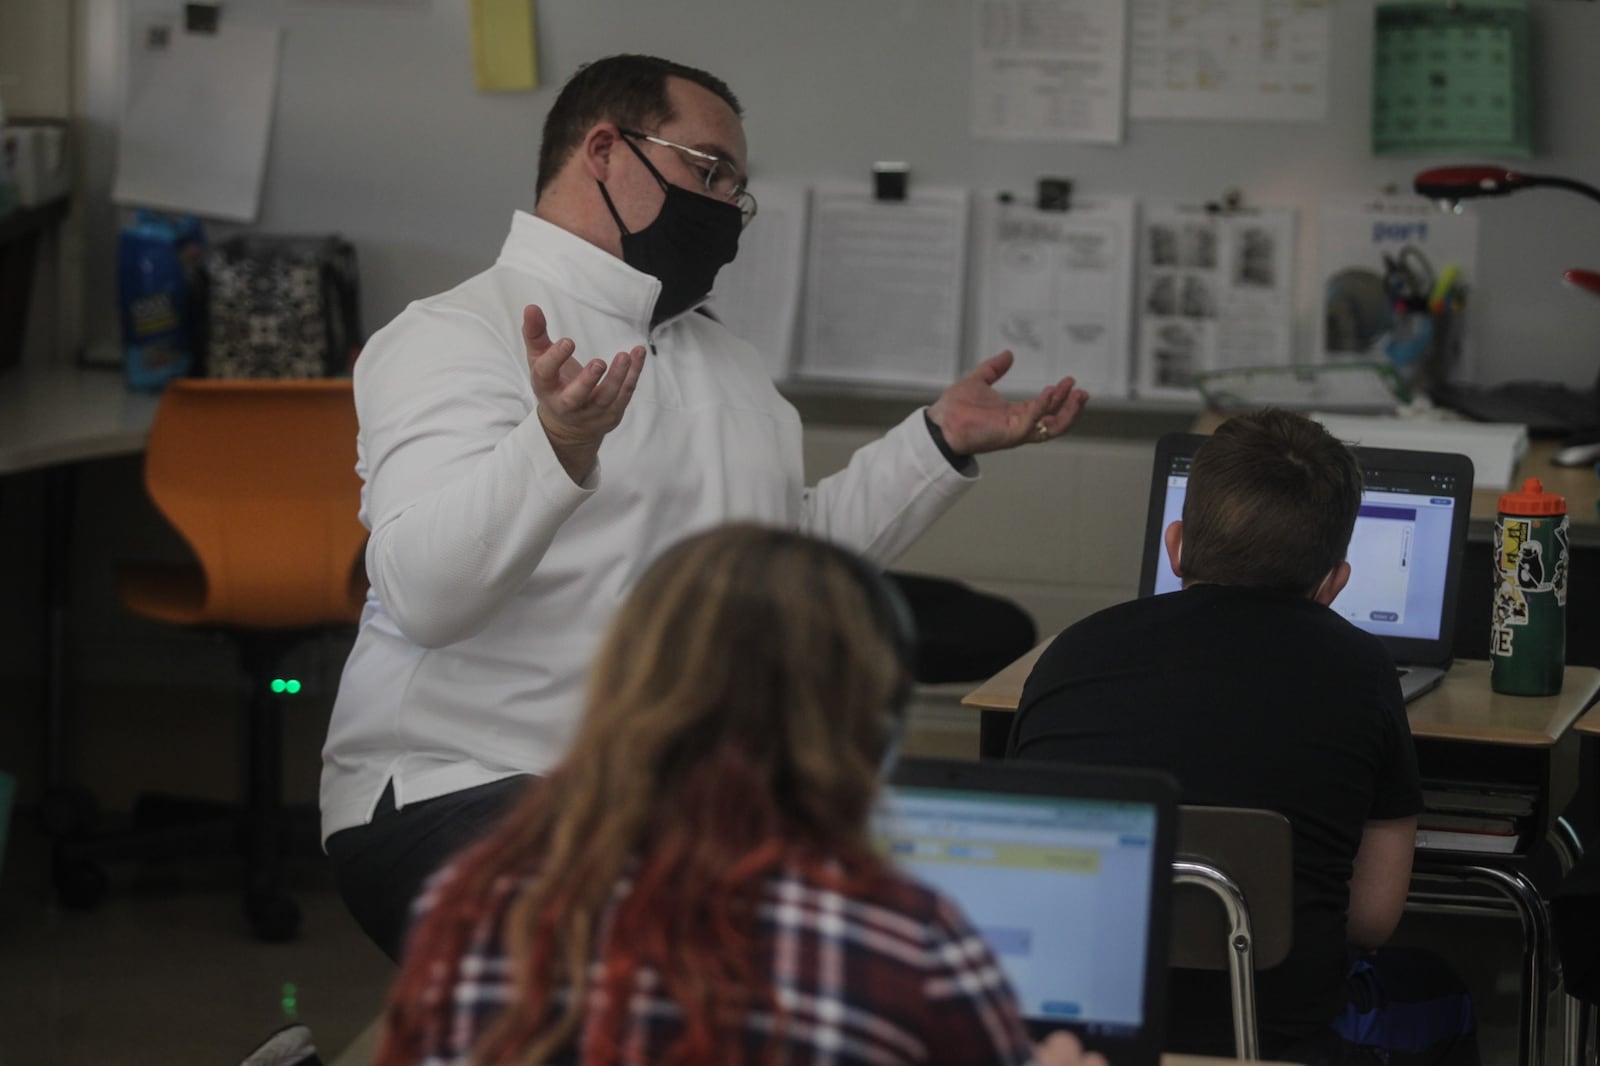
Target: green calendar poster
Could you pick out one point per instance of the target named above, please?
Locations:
(1451, 78)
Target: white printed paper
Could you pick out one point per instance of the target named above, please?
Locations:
(199, 109)
(1229, 59)
(884, 283)
(757, 296)
(1215, 292)
(1375, 258)
(1049, 70)
(1058, 292)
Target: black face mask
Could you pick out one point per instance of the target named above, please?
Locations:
(691, 239)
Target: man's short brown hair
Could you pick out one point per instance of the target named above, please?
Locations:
(630, 90)
(1271, 502)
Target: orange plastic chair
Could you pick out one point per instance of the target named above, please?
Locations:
(258, 477)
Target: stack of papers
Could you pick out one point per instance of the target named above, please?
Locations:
(1495, 448)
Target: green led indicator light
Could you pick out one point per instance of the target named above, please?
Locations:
(293, 686)
(279, 685)
(291, 1002)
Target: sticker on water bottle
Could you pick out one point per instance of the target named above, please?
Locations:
(1509, 536)
(1563, 549)
(1510, 607)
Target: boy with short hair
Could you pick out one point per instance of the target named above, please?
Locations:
(1253, 693)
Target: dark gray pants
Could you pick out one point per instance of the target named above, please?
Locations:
(381, 866)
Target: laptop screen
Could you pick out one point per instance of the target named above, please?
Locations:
(1404, 553)
(1061, 887)
(1398, 551)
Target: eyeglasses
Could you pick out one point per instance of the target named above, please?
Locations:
(718, 176)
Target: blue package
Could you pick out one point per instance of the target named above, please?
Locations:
(158, 259)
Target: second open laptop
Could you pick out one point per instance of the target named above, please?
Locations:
(1405, 553)
(1066, 872)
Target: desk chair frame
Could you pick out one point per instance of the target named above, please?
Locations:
(1241, 954)
(259, 479)
(1582, 1041)
(1229, 853)
(1512, 893)
(1460, 890)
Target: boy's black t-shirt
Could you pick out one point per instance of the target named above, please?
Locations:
(1251, 699)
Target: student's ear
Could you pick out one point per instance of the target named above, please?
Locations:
(1173, 538)
(1332, 585)
(596, 149)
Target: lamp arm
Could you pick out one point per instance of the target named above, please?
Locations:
(1550, 181)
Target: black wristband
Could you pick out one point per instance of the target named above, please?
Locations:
(957, 460)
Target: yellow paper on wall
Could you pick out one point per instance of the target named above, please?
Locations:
(505, 45)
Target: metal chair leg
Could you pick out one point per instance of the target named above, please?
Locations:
(1241, 960)
(1571, 1031)
(1538, 955)
(1568, 848)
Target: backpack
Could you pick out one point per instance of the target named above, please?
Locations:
(281, 307)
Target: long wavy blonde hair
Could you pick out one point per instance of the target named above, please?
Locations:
(735, 719)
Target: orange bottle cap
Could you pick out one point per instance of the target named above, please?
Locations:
(1532, 500)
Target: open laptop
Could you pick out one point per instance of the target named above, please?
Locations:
(1405, 552)
(1065, 871)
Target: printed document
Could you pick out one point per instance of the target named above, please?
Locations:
(884, 286)
(199, 109)
(1058, 292)
(758, 295)
(1229, 59)
(1215, 292)
(1049, 70)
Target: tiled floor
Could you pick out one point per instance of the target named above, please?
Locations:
(165, 973)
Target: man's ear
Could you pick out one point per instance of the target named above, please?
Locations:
(596, 149)
(1173, 538)
(1332, 585)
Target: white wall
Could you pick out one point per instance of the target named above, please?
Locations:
(380, 134)
(36, 82)
(35, 46)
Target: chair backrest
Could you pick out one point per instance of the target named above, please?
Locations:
(259, 478)
(1233, 902)
(1255, 849)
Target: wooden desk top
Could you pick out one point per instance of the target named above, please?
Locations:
(53, 415)
(1589, 724)
(1579, 484)
(1462, 708)
(1465, 708)
(1003, 691)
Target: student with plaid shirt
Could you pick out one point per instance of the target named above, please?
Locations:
(694, 883)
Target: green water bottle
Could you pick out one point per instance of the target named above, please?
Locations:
(1528, 634)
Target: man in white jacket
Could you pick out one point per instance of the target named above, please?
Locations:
(516, 484)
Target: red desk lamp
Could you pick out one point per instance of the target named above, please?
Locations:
(1542, 405)
(1454, 184)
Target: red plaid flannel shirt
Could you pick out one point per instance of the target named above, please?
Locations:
(894, 976)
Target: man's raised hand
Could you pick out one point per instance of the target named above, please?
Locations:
(578, 404)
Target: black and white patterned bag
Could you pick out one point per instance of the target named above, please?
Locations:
(281, 307)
